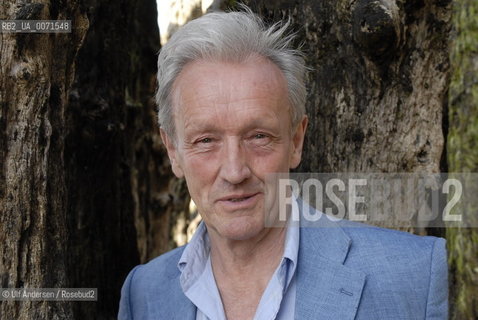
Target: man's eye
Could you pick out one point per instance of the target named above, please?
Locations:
(205, 140)
(259, 136)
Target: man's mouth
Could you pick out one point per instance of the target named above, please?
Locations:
(239, 199)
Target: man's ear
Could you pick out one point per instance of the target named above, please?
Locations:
(298, 142)
(172, 154)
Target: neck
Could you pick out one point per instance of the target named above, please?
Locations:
(243, 258)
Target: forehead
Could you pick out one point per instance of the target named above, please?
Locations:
(204, 86)
(253, 69)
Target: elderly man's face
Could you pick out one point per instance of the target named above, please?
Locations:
(233, 127)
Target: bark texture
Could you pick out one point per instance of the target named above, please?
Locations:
(85, 187)
(36, 73)
(109, 147)
(463, 155)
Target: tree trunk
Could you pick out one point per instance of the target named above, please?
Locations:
(111, 151)
(463, 156)
(86, 191)
(36, 73)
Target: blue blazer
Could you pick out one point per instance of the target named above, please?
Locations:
(345, 271)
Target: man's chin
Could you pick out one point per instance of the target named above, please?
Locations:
(241, 229)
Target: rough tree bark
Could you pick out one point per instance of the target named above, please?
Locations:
(111, 152)
(463, 155)
(36, 73)
(85, 187)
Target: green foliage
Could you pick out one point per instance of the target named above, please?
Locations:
(463, 154)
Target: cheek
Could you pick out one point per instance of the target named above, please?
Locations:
(196, 163)
(277, 161)
(199, 175)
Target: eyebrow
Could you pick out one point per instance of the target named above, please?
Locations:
(210, 126)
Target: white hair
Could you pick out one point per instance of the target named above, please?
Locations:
(229, 37)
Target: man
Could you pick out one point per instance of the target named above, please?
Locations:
(231, 102)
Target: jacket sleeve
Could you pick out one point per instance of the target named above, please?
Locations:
(437, 301)
(125, 309)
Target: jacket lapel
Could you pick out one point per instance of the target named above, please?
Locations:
(172, 303)
(182, 308)
(326, 289)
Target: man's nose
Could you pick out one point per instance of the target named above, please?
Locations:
(234, 168)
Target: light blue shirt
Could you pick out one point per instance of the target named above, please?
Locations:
(198, 283)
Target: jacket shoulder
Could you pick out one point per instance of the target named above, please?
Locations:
(159, 269)
(391, 243)
(155, 280)
(408, 269)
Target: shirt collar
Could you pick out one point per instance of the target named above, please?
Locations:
(291, 245)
